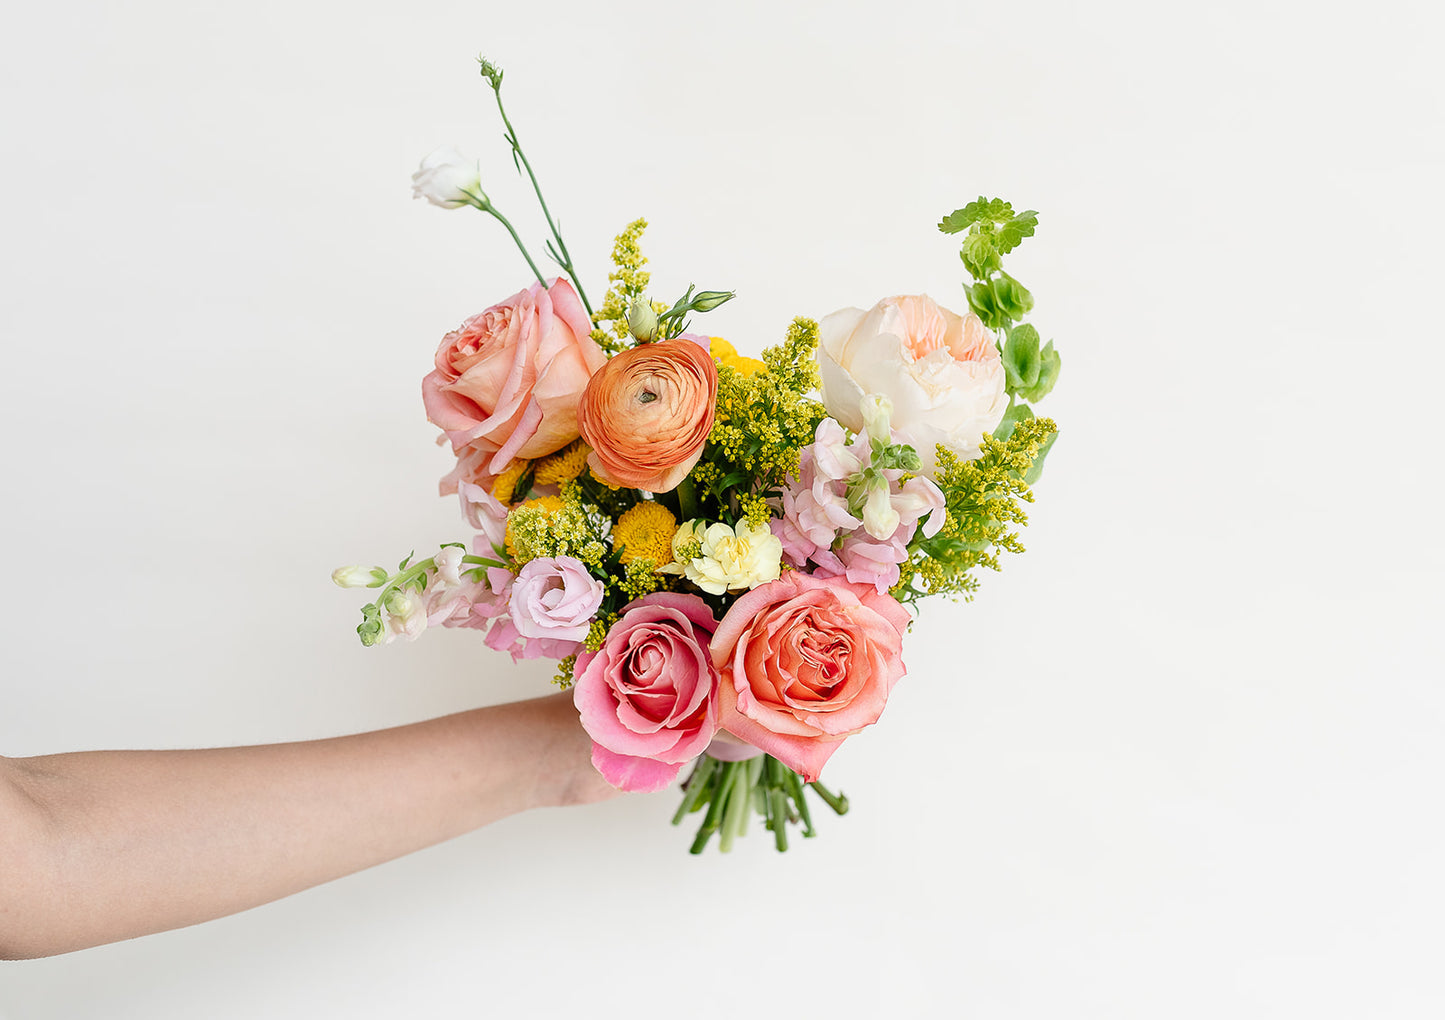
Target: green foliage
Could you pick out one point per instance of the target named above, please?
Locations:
(983, 503)
(999, 301)
(1031, 371)
(994, 230)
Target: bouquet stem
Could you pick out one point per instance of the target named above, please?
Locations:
(732, 790)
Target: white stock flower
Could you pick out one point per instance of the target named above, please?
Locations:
(940, 372)
(448, 179)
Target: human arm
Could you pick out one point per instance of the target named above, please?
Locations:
(99, 846)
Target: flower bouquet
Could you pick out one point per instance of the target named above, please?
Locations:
(721, 562)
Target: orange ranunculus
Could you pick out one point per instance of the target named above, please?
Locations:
(647, 412)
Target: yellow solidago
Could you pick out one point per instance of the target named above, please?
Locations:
(645, 532)
(764, 419)
(627, 281)
(564, 465)
(557, 526)
(504, 486)
(528, 526)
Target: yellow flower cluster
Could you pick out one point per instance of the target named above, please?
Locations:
(725, 353)
(504, 486)
(564, 465)
(556, 526)
(627, 281)
(764, 419)
(645, 532)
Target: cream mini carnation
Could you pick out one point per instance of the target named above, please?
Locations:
(750, 642)
(728, 558)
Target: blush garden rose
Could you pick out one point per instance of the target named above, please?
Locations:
(941, 372)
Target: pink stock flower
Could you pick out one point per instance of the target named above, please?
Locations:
(648, 696)
(817, 526)
(549, 611)
(507, 382)
(806, 662)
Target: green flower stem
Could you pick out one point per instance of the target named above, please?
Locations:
(836, 801)
(520, 246)
(721, 785)
(687, 499)
(795, 790)
(739, 797)
(566, 257)
(697, 785)
(780, 817)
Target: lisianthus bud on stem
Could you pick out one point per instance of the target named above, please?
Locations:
(448, 179)
(641, 319)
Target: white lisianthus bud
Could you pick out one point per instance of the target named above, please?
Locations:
(450, 180)
(641, 319)
(359, 577)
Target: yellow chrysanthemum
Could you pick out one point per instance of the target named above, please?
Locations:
(721, 349)
(564, 465)
(504, 487)
(645, 532)
(548, 505)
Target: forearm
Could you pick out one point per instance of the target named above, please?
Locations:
(114, 844)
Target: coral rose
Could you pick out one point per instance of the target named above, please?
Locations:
(941, 372)
(506, 382)
(648, 696)
(806, 662)
(647, 413)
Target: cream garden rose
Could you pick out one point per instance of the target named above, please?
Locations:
(940, 371)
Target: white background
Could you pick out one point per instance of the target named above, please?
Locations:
(1182, 759)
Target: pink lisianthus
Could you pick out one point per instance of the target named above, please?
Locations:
(507, 382)
(648, 696)
(805, 662)
(549, 611)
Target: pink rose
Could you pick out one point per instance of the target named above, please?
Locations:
(806, 662)
(507, 382)
(550, 612)
(648, 696)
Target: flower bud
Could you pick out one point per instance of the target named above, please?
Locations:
(448, 179)
(877, 412)
(359, 577)
(710, 299)
(641, 319)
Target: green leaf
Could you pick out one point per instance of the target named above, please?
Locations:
(983, 210)
(1015, 414)
(1037, 470)
(1012, 231)
(1048, 375)
(1012, 297)
(1021, 359)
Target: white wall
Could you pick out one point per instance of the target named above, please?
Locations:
(1181, 760)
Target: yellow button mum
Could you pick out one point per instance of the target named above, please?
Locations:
(645, 532)
(564, 465)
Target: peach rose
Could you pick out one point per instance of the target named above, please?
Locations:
(647, 413)
(506, 383)
(805, 662)
(941, 372)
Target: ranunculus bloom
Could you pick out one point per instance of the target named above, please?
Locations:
(806, 662)
(941, 371)
(647, 413)
(506, 382)
(552, 602)
(648, 696)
